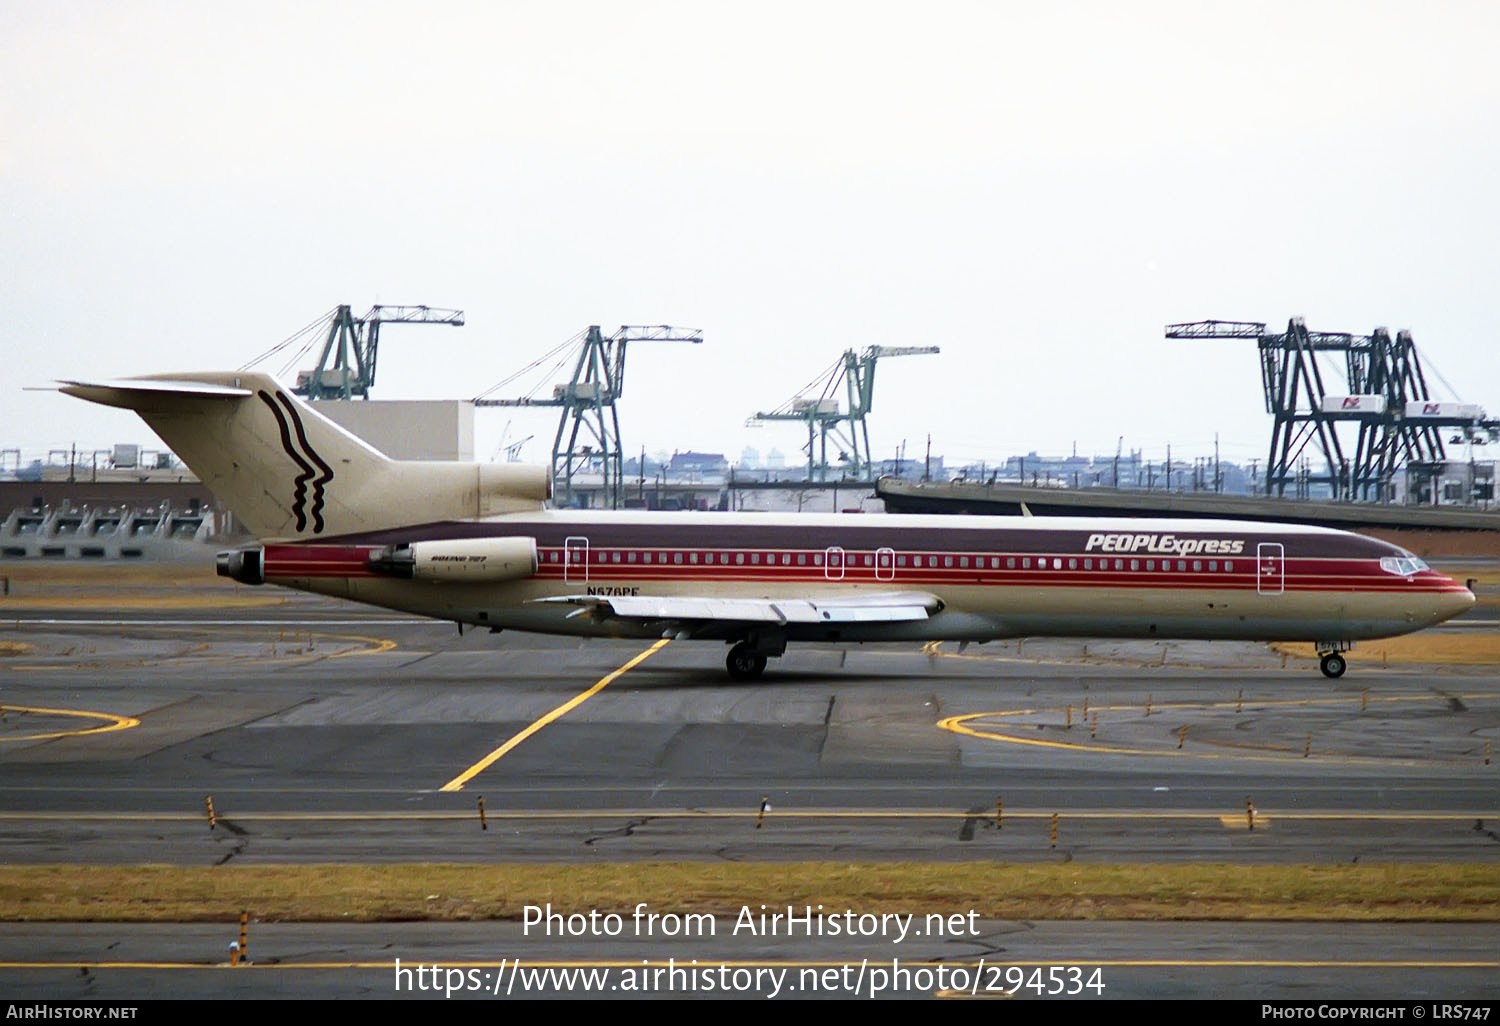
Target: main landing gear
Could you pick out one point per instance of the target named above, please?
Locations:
(744, 662)
(1333, 665)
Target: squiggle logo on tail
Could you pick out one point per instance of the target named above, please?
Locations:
(299, 484)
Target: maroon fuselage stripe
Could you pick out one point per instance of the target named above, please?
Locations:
(899, 569)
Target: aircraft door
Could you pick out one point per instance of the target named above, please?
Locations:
(833, 563)
(885, 564)
(576, 559)
(1270, 569)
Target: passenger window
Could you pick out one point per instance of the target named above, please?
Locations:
(1072, 564)
(677, 557)
(630, 557)
(900, 560)
(755, 558)
(932, 561)
(1213, 566)
(1197, 566)
(1010, 562)
(786, 559)
(817, 559)
(1151, 564)
(1228, 567)
(1135, 564)
(1088, 564)
(1119, 564)
(692, 557)
(947, 561)
(869, 561)
(801, 559)
(963, 562)
(1057, 564)
(739, 557)
(1026, 563)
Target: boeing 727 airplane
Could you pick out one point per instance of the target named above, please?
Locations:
(476, 544)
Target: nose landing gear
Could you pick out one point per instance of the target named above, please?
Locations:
(1333, 665)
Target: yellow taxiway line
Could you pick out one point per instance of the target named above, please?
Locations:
(458, 782)
(375, 646)
(1262, 816)
(112, 722)
(962, 724)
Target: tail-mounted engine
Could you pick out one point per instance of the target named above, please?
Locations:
(479, 559)
(244, 565)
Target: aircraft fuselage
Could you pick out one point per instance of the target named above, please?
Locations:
(993, 577)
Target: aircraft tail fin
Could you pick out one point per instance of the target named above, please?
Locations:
(289, 473)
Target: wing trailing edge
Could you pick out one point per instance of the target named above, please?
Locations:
(888, 607)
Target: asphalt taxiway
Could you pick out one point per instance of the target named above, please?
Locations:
(326, 733)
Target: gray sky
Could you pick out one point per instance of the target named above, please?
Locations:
(1037, 188)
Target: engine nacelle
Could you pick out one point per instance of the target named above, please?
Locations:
(244, 565)
(462, 559)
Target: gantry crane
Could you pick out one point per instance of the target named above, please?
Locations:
(1384, 393)
(823, 417)
(588, 405)
(351, 344)
(346, 367)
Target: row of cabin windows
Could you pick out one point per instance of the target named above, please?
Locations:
(577, 556)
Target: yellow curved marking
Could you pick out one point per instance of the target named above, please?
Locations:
(457, 783)
(379, 645)
(114, 722)
(960, 725)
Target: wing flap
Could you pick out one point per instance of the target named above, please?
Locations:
(874, 608)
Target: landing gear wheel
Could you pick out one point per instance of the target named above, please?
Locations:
(1333, 665)
(744, 662)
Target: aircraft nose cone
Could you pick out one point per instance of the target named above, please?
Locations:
(1452, 603)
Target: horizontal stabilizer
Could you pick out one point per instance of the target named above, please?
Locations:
(129, 392)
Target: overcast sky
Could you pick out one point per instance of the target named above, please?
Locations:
(1037, 188)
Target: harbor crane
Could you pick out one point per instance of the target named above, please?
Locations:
(816, 404)
(346, 366)
(588, 405)
(1384, 393)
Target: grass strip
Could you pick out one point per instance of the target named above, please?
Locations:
(1446, 648)
(448, 893)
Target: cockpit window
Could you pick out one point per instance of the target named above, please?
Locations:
(1403, 566)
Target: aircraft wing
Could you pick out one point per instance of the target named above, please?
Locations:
(887, 607)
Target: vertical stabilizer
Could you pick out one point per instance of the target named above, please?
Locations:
(289, 473)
